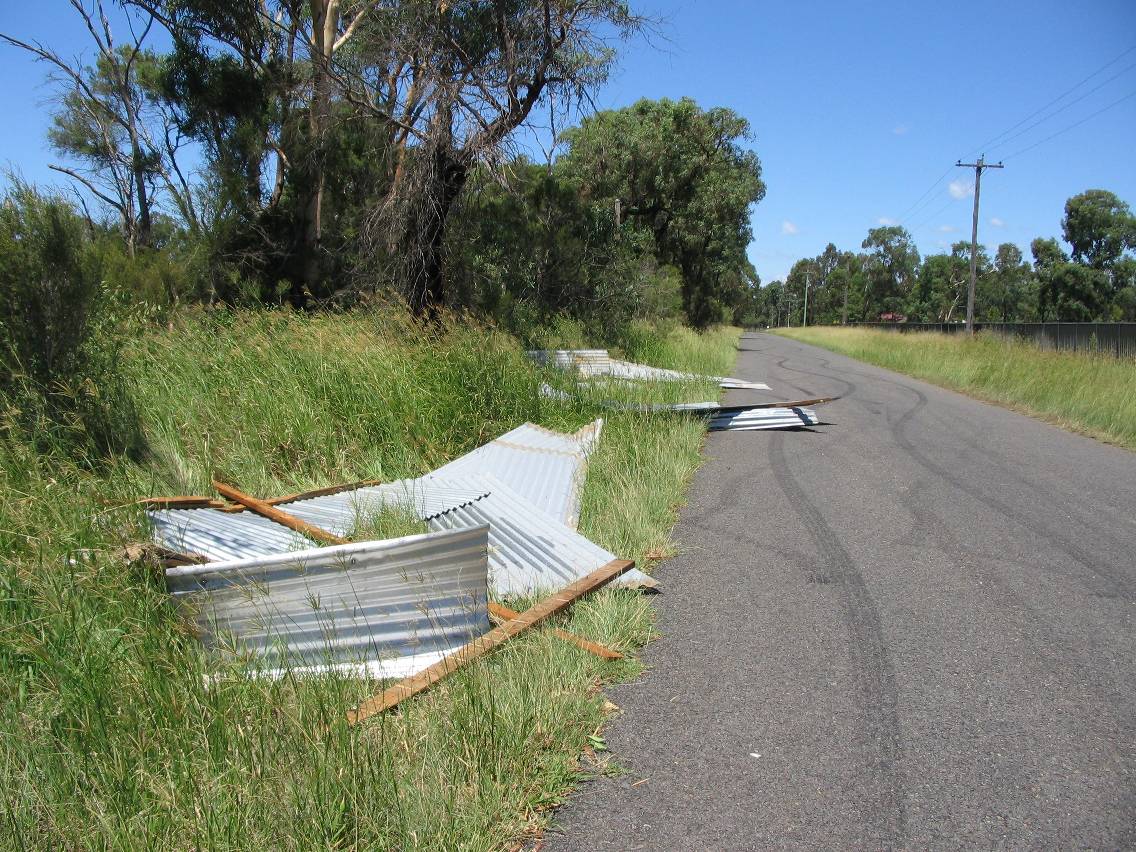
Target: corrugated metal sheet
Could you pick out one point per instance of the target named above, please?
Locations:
(545, 468)
(222, 535)
(756, 419)
(529, 552)
(341, 513)
(524, 485)
(597, 362)
(390, 607)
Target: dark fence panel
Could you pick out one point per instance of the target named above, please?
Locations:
(1110, 338)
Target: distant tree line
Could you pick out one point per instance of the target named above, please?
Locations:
(319, 152)
(888, 280)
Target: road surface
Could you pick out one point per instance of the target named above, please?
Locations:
(909, 628)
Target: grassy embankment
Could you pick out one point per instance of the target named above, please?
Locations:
(110, 737)
(1093, 394)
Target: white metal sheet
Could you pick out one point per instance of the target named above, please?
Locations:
(376, 606)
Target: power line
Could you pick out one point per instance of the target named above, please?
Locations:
(924, 200)
(934, 215)
(1071, 103)
(1073, 88)
(927, 192)
(1075, 124)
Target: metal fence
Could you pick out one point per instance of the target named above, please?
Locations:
(1109, 338)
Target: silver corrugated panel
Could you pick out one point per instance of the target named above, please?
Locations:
(529, 553)
(597, 362)
(341, 513)
(628, 370)
(545, 468)
(755, 419)
(567, 358)
(224, 535)
(390, 606)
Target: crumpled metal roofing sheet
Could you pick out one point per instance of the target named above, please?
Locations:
(340, 513)
(529, 552)
(545, 468)
(756, 419)
(383, 608)
(597, 362)
(220, 535)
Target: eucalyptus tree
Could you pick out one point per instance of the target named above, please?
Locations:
(892, 269)
(113, 126)
(683, 175)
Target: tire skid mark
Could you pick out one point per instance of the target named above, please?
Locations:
(1119, 581)
(879, 697)
(1007, 466)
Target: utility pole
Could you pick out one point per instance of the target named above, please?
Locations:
(978, 168)
(805, 320)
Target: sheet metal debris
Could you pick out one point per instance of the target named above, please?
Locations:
(525, 485)
(543, 467)
(597, 362)
(756, 419)
(379, 608)
(529, 552)
(722, 418)
(219, 535)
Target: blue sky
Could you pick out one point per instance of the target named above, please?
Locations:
(856, 108)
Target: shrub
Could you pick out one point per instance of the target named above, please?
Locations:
(60, 381)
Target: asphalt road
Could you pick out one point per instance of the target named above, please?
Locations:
(909, 628)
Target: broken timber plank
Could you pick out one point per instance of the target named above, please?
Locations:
(490, 641)
(503, 613)
(262, 507)
(273, 514)
(191, 501)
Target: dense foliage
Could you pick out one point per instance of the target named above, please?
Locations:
(888, 280)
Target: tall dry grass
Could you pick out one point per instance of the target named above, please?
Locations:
(109, 735)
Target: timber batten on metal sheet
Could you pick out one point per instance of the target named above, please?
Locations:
(489, 642)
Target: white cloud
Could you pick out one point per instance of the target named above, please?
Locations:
(884, 220)
(997, 223)
(960, 189)
(947, 229)
(900, 129)
(788, 227)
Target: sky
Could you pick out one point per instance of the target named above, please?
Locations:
(859, 111)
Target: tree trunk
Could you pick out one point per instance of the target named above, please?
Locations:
(449, 176)
(325, 25)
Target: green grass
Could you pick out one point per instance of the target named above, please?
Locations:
(1092, 394)
(109, 735)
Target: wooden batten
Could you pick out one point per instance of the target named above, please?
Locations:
(490, 641)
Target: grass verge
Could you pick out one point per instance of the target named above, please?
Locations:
(109, 736)
(1092, 394)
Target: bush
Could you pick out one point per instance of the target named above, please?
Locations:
(60, 381)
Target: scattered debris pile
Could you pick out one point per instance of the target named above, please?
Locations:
(722, 418)
(597, 362)
(502, 520)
